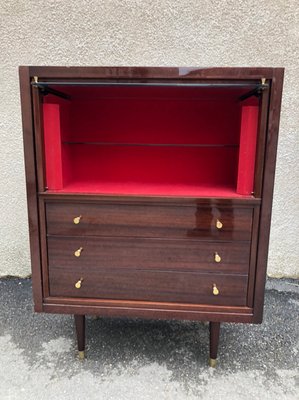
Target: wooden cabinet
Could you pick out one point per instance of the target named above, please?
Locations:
(150, 191)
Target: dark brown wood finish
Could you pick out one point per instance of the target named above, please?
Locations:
(39, 137)
(260, 147)
(43, 248)
(148, 220)
(267, 193)
(185, 287)
(147, 313)
(149, 305)
(145, 309)
(221, 202)
(171, 236)
(151, 254)
(31, 183)
(150, 73)
(80, 330)
(253, 253)
(214, 341)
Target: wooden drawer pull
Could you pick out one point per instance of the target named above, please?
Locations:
(77, 220)
(219, 224)
(77, 253)
(215, 290)
(79, 283)
(217, 257)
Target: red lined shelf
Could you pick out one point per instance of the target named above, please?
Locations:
(152, 189)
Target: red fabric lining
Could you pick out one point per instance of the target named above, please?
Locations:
(172, 165)
(190, 171)
(155, 121)
(249, 124)
(52, 139)
(151, 189)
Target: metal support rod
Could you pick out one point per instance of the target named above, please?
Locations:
(47, 90)
(162, 84)
(255, 92)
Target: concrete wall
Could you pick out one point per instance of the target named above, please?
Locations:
(140, 32)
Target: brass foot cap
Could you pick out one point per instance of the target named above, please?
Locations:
(212, 362)
(81, 355)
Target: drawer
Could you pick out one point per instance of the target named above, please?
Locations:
(152, 254)
(158, 286)
(171, 221)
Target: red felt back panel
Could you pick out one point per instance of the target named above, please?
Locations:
(249, 125)
(154, 120)
(171, 165)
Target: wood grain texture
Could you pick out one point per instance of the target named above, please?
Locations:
(80, 331)
(182, 201)
(153, 305)
(261, 138)
(253, 254)
(267, 192)
(185, 287)
(43, 248)
(147, 220)
(39, 137)
(128, 73)
(151, 254)
(161, 313)
(183, 220)
(148, 309)
(214, 339)
(31, 186)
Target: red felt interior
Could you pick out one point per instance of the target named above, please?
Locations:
(249, 124)
(155, 121)
(133, 141)
(53, 146)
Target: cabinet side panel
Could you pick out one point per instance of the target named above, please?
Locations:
(37, 106)
(31, 184)
(267, 191)
(261, 140)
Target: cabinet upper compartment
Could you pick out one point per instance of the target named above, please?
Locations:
(151, 138)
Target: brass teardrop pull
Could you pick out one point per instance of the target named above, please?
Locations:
(219, 224)
(217, 257)
(79, 283)
(77, 220)
(215, 290)
(77, 253)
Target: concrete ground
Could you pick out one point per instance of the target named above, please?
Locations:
(139, 359)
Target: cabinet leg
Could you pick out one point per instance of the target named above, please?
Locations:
(214, 341)
(80, 331)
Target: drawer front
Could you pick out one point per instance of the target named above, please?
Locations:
(152, 254)
(176, 287)
(149, 221)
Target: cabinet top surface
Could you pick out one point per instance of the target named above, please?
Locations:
(138, 72)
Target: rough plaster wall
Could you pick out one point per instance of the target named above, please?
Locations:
(155, 32)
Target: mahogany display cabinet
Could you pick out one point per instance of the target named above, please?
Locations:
(150, 191)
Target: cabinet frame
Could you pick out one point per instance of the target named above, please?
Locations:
(264, 181)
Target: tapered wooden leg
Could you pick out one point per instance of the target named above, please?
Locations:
(80, 331)
(214, 341)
